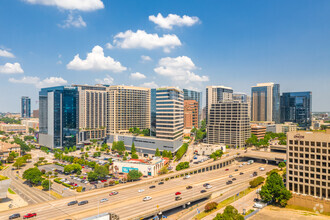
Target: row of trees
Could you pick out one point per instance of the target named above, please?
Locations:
(73, 168)
(254, 141)
(201, 132)
(182, 166)
(137, 131)
(182, 150)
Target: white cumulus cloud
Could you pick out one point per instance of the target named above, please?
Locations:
(179, 69)
(150, 85)
(145, 58)
(137, 75)
(96, 61)
(173, 20)
(5, 53)
(81, 5)
(73, 21)
(109, 46)
(108, 80)
(37, 82)
(11, 68)
(141, 39)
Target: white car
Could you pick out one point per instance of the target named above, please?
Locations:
(208, 187)
(104, 200)
(257, 205)
(240, 165)
(141, 190)
(261, 168)
(147, 198)
(186, 177)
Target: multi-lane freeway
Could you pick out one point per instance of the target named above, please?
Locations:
(128, 203)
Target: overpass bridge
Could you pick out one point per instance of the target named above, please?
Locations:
(264, 156)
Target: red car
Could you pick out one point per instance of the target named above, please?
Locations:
(226, 169)
(29, 215)
(113, 193)
(177, 193)
(82, 167)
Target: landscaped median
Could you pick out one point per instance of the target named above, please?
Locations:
(58, 180)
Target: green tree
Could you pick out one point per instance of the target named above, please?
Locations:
(46, 184)
(281, 165)
(163, 170)
(217, 154)
(33, 175)
(135, 156)
(133, 149)
(146, 132)
(124, 158)
(182, 150)
(74, 148)
(182, 166)
(275, 191)
(27, 157)
(230, 213)
(66, 150)
(101, 171)
(134, 175)
(92, 176)
(19, 162)
(121, 146)
(82, 149)
(157, 154)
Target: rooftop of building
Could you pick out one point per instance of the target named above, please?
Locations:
(153, 161)
(4, 147)
(222, 87)
(316, 133)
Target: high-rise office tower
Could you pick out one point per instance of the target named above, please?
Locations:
(297, 107)
(242, 97)
(169, 113)
(229, 124)
(217, 94)
(92, 112)
(25, 107)
(58, 116)
(190, 114)
(128, 107)
(265, 100)
(153, 112)
(197, 96)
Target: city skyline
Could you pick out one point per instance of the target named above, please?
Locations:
(242, 49)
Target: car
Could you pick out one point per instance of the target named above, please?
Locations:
(203, 191)
(177, 198)
(151, 187)
(244, 163)
(205, 184)
(13, 216)
(241, 173)
(240, 166)
(236, 169)
(147, 198)
(141, 190)
(229, 182)
(189, 187)
(29, 215)
(230, 176)
(233, 179)
(261, 168)
(257, 205)
(186, 177)
(72, 203)
(255, 174)
(113, 193)
(160, 183)
(208, 187)
(83, 202)
(104, 200)
(177, 193)
(226, 169)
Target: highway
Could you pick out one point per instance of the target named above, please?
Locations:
(129, 198)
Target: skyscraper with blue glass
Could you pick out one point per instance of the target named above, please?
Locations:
(25, 107)
(297, 107)
(197, 96)
(58, 116)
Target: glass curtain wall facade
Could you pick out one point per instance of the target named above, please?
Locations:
(197, 96)
(297, 107)
(25, 107)
(169, 113)
(153, 112)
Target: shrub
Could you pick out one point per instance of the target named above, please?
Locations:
(79, 189)
(182, 166)
(257, 181)
(182, 150)
(210, 206)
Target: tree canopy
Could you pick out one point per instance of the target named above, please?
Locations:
(217, 154)
(134, 175)
(230, 213)
(33, 175)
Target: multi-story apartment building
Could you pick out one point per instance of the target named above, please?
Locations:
(265, 100)
(297, 107)
(25, 107)
(197, 96)
(217, 94)
(7, 148)
(153, 112)
(191, 113)
(58, 116)
(92, 112)
(128, 107)
(308, 164)
(169, 113)
(229, 124)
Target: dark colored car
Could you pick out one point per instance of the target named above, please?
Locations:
(255, 174)
(226, 169)
(229, 182)
(203, 191)
(205, 184)
(189, 187)
(233, 179)
(83, 202)
(241, 173)
(13, 216)
(151, 187)
(177, 198)
(72, 203)
(160, 183)
(236, 169)
(29, 215)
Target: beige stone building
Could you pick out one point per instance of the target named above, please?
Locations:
(282, 128)
(127, 107)
(308, 164)
(16, 128)
(7, 148)
(258, 130)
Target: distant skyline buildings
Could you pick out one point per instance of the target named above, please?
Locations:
(297, 107)
(25, 107)
(265, 102)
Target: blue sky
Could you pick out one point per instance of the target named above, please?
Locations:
(231, 43)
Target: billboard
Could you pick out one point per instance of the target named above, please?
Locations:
(127, 169)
